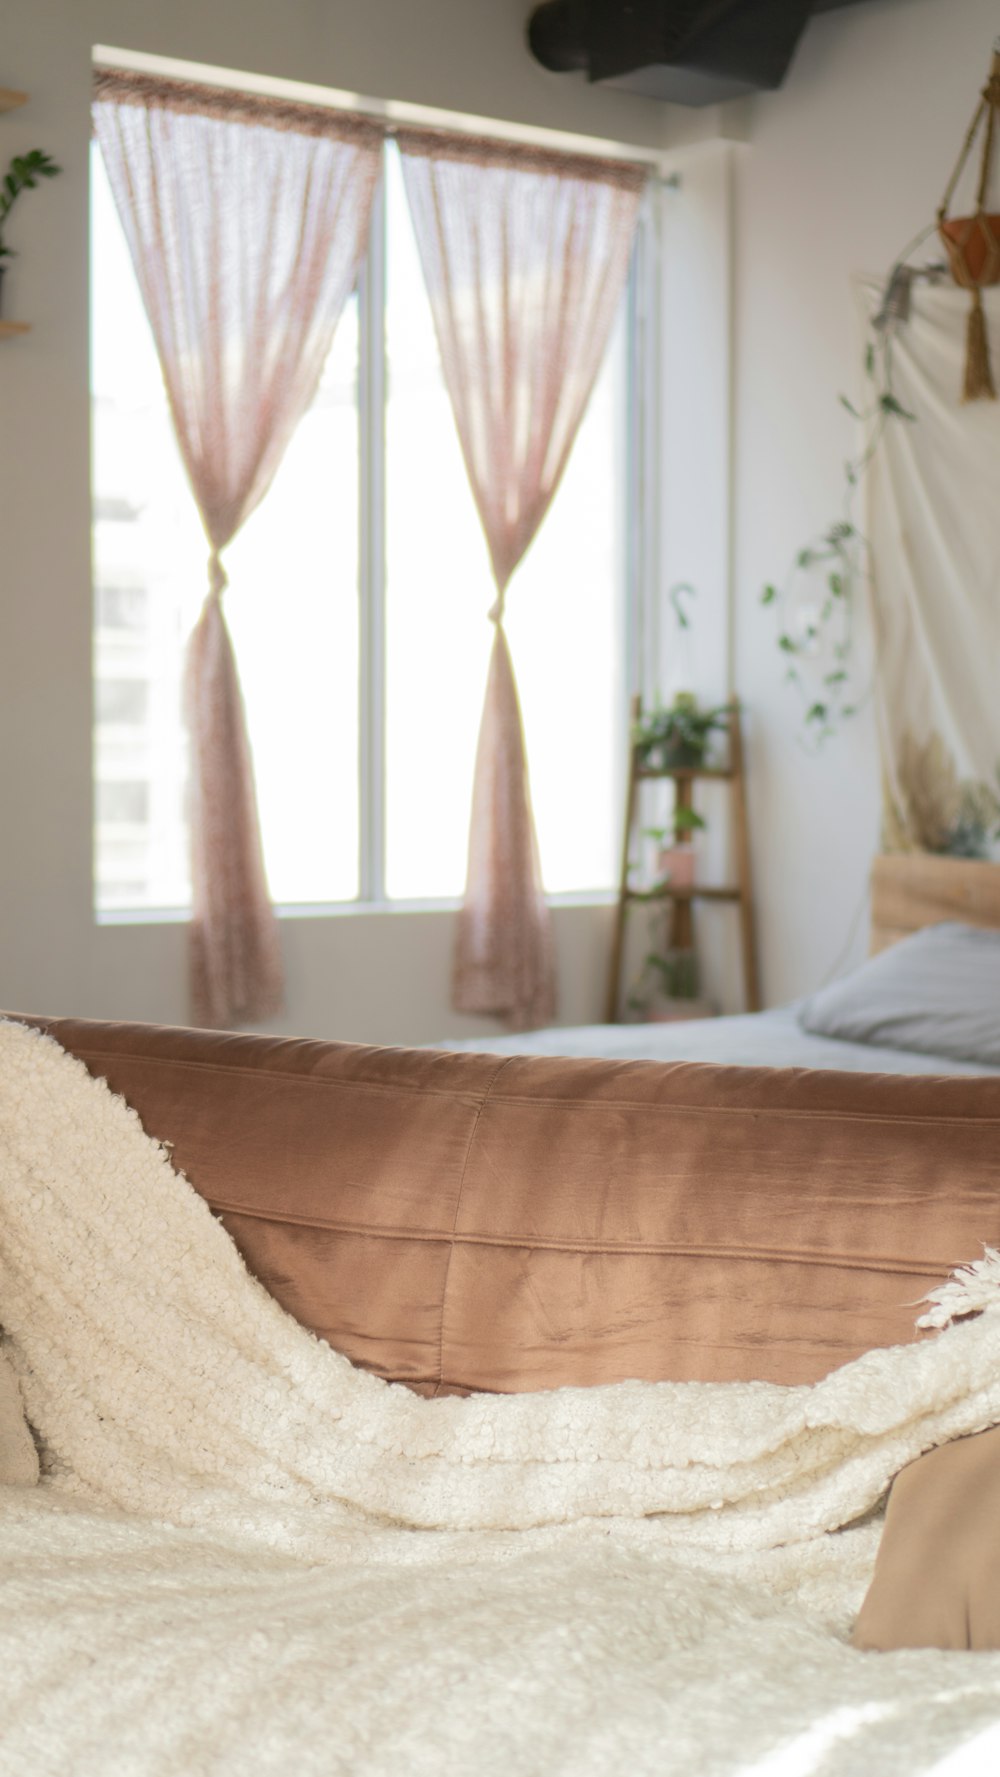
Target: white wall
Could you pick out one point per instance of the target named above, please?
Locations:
(844, 165)
(375, 977)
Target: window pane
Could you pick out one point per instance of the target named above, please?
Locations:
(565, 618)
(566, 624)
(292, 608)
(293, 613)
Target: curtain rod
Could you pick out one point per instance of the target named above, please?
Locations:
(392, 115)
(668, 181)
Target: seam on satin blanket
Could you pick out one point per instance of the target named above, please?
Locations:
(463, 1095)
(467, 1095)
(717, 1109)
(673, 1249)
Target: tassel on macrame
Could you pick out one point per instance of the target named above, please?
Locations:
(978, 384)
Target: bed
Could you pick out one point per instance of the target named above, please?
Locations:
(909, 894)
(256, 1548)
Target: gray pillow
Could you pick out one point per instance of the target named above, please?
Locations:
(937, 993)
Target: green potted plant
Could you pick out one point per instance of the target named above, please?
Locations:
(676, 858)
(678, 973)
(677, 738)
(23, 174)
(668, 989)
(668, 985)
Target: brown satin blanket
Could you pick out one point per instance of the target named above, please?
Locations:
(461, 1222)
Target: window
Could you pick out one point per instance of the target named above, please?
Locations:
(363, 668)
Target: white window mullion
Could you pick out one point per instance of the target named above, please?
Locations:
(371, 558)
(643, 451)
(640, 490)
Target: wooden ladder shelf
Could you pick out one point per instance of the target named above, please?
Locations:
(739, 893)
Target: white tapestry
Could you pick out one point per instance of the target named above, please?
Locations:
(934, 529)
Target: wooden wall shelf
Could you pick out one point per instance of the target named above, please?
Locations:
(9, 328)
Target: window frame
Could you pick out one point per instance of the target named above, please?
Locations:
(639, 564)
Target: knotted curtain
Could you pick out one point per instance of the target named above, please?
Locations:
(247, 219)
(525, 255)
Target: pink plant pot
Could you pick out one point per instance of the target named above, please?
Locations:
(678, 1011)
(677, 865)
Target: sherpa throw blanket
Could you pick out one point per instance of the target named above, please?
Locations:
(249, 1557)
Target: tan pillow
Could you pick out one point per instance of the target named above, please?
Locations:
(18, 1456)
(937, 1578)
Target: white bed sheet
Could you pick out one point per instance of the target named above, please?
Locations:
(759, 1039)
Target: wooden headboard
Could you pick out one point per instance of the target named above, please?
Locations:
(911, 890)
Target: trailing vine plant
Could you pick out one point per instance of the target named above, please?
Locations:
(22, 175)
(816, 626)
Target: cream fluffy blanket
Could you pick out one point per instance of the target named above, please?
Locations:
(250, 1557)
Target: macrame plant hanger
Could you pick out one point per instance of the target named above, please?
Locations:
(973, 242)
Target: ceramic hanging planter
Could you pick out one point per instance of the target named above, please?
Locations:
(972, 243)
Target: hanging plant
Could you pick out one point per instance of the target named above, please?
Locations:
(815, 607)
(972, 242)
(678, 735)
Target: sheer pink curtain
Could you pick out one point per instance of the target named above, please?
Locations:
(246, 219)
(525, 254)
